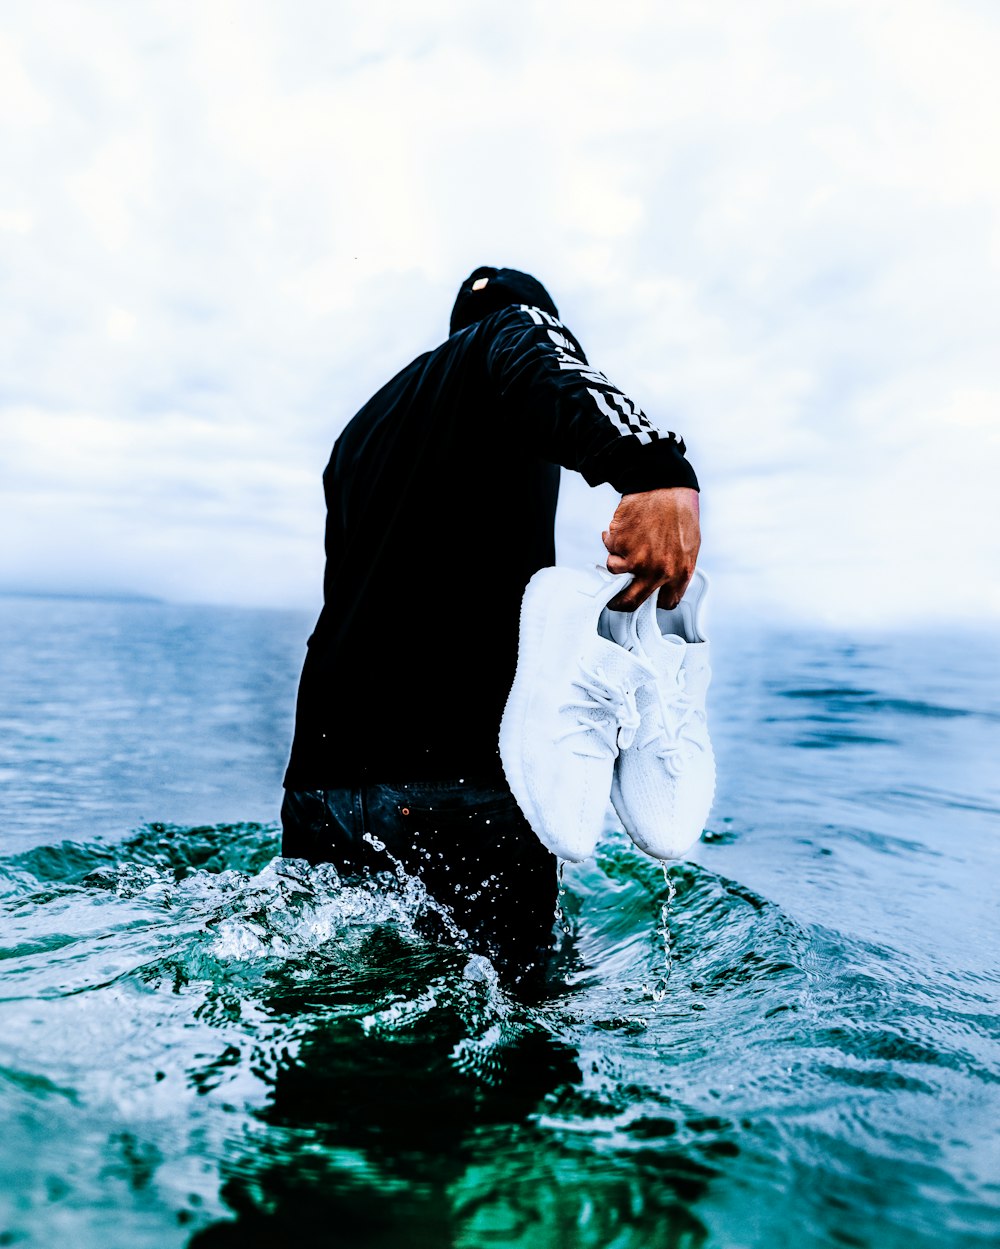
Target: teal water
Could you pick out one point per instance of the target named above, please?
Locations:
(792, 1041)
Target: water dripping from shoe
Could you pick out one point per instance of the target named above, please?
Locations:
(561, 919)
(658, 991)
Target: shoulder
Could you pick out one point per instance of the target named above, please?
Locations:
(523, 326)
(520, 314)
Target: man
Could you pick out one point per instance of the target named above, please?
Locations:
(441, 501)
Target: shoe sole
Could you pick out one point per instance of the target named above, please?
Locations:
(513, 723)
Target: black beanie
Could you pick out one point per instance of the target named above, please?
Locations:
(503, 287)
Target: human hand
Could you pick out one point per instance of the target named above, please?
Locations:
(656, 536)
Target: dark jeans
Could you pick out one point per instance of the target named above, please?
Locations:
(470, 846)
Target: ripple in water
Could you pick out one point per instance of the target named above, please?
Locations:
(206, 1044)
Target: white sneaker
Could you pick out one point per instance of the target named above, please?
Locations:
(664, 782)
(571, 707)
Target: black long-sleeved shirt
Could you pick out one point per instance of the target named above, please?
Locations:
(441, 499)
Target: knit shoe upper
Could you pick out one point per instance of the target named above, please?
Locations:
(664, 782)
(571, 708)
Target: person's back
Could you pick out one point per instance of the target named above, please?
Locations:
(441, 498)
(437, 516)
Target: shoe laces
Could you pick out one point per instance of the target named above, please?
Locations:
(615, 724)
(676, 734)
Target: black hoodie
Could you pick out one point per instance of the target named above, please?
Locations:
(441, 499)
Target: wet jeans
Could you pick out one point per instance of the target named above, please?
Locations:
(469, 844)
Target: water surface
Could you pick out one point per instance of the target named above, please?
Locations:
(203, 1044)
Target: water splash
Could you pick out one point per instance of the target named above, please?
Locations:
(414, 889)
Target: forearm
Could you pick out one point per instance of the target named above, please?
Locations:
(563, 409)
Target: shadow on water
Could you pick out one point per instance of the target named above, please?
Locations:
(388, 1142)
(395, 1137)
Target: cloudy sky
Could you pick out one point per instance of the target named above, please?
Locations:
(775, 225)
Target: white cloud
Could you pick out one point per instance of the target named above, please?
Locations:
(777, 225)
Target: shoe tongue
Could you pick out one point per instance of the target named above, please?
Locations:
(670, 653)
(616, 626)
(670, 620)
(682, 620)
(665, 650)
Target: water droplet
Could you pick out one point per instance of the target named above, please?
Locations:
(561, 919)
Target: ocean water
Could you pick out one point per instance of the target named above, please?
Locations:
(790, 1040)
